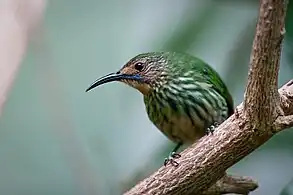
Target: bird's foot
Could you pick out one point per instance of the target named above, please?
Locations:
(212, 128)
(170, 159)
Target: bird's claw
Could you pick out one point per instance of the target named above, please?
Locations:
(170, 159)
(212, 128)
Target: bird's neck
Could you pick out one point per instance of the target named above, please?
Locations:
(145, 89)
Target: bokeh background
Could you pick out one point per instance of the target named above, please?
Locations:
(57, 139)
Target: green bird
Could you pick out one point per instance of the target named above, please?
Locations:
(184, 97)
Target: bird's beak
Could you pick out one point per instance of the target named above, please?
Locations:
(113, 77)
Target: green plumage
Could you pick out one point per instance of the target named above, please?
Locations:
(183, 95)
(188, 97)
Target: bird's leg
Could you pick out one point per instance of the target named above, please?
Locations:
(211, 129)
(173, 155)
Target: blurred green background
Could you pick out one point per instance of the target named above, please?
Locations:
(57, 139)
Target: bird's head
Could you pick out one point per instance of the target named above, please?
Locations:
(143, 72)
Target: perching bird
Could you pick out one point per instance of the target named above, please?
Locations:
(184, 97)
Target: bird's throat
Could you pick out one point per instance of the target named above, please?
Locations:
(145, 89)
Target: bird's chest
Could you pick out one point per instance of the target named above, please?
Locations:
(177, 125)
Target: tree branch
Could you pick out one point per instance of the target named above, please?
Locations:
(265, 112)
(232, 184)
(261, 90)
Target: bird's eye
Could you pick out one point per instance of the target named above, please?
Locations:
(139, 66)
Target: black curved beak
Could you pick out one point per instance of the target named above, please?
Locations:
(113, 77)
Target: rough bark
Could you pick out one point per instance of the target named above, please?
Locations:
(263, 113)
(232, 184)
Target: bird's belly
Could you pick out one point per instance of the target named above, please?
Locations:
(181, 129)
(186, 119)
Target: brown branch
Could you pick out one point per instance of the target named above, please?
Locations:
(286, 100)
(284, 122)
(232, 184)
(206, 161)
(261, 90)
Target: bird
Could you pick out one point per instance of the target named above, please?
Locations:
(184, 97)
